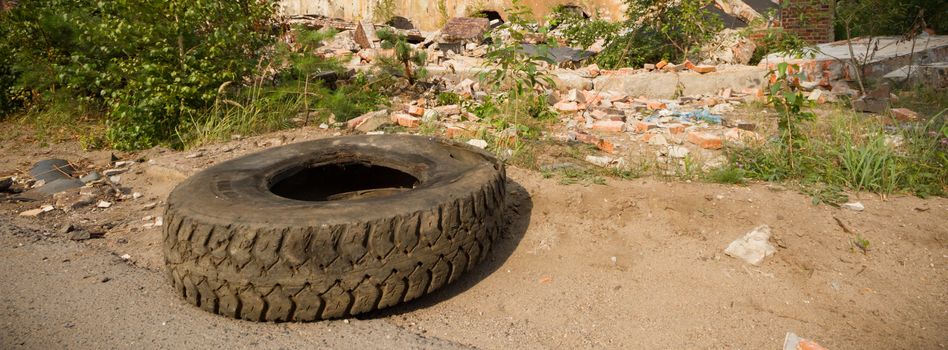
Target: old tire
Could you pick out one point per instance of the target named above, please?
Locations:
(235, 245)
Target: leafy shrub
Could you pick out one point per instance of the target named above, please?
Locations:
(150, 62)
(652, 31)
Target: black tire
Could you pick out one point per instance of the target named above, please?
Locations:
(234, 247)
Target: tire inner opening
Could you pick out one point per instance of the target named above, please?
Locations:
(341, 181)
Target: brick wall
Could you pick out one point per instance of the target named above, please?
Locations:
(811, 20)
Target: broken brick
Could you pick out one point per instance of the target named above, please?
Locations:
(416, 110)
(661, 64)
(406, 120)
(456, 131)
(904, 114)
(608, 126)
(675, 128)
(566, 106)
(706, 140)
(656, 105)
(642, 127)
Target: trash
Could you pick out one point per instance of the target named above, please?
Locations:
(753, 247)
(795, 342)
(50, 170)
(116, 171)
(854, 206)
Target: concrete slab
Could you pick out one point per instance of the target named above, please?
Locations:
(665, 85)
(885, 54)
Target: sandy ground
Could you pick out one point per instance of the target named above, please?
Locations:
(629, 264)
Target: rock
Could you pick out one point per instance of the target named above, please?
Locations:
(870, 105)
(35, 212)
(753, 247)
(599, 160)
(904, 114)
(854, 206)
(115, 179)
(365, 35)
(658, 140)
(818, 96)
(465, 29)
(92, 176)
(66, 228)
(116, 171)
(430, 115)
(5, 184)
(706, 140)
(730, 46)
(677, 152)
(80, 235)
(478, 143)
(104, 204)
(448, 110)
(568, 79)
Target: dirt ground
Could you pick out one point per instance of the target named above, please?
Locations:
(630, 264)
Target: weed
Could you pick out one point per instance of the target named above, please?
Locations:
(727, 175)
(448, 98)
(408, 63)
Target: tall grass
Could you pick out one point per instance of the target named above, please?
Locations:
(858, 153)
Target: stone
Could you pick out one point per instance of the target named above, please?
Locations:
(104, 204)
(904, 114)
(854, 206)
(599, 160)
(753, 247)
(566, 106)
(706, 140)
(114, 171)
(92, 176)
(657, 140)
(870, 105)
(5, 184)
(365, 35)
(465, 29)
(818, 96)
(568, 79)
(609, 126)
(32, 212)
(656, 105)
(430, 115)
(677, 152)
(478, 143)
(448, 110)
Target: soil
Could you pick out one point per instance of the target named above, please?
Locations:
(628, 264)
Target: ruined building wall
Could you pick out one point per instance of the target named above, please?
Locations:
(431, 14)
(811, 20)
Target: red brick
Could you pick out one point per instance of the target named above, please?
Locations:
(675, 128)
(406, 120)
(416, 111)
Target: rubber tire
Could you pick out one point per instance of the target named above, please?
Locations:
(234, 248)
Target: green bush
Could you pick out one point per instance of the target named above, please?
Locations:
(652, 31)
(150, 62)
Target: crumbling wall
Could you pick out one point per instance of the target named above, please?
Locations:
(811, 20)
(432, 14)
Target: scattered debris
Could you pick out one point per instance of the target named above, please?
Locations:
(753, 247)
(478, 143)
(795, 342)
(854, 206)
